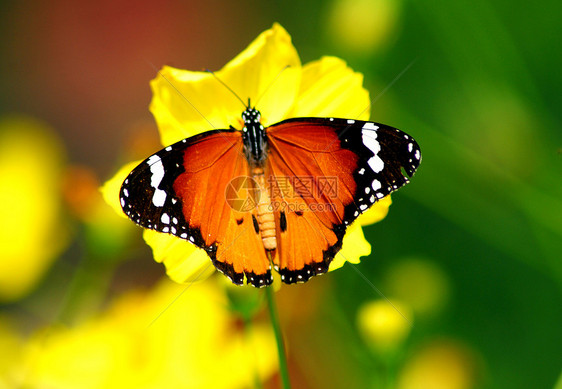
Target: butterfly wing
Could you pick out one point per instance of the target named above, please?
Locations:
(182, 190)
(326, 172)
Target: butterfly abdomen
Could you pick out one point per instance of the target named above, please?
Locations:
(265, 218)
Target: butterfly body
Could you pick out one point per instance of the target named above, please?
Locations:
(281, 196)
(254, 138)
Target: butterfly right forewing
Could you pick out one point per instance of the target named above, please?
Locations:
(365, 162)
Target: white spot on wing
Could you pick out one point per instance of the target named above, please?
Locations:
(159, 198)
(376, 185)
(370, 140)
(376, 164)
(350, 121)
(157, 170)
(370, 126)
(165, 218)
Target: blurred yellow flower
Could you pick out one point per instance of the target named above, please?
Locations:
(32, 232)
(440, 365)
(384, 325)
(363, 26)
(11, 344)
(419, 283)
(168, 337)
(322, 88)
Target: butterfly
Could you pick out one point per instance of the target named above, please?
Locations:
(281, 196)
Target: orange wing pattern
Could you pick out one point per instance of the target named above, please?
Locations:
(182, 190)
(326, 172)
(312, 183)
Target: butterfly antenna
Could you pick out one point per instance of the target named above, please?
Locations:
(271, 83)
(229, 88)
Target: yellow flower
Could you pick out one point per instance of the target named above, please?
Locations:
(167, 337)
(11, 371)
(186, 103)
(363, 26)
(441, 364)
(420, 283)
(384, 325)
(32, 233)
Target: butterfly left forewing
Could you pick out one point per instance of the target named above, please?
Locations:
(181, 190)
(359, 163)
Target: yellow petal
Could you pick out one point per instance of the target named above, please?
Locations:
(184, 261)
(376, 213)
(186, 103)
(110, 190)
(329, 88)
(354, 246)
(268, 72)
(354, 243)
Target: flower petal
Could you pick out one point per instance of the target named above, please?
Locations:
(329, 88)
(110, 190)
(186, 103)
(184, 261)
(354, 246)
(268, 72)
(376, 213)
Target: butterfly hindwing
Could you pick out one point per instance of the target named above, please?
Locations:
(342, 168)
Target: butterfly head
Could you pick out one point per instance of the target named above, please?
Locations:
(251, 115)
(255, 142)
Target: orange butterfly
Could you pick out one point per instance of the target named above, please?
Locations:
(282, 195)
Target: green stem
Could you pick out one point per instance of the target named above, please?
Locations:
(283, 370)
